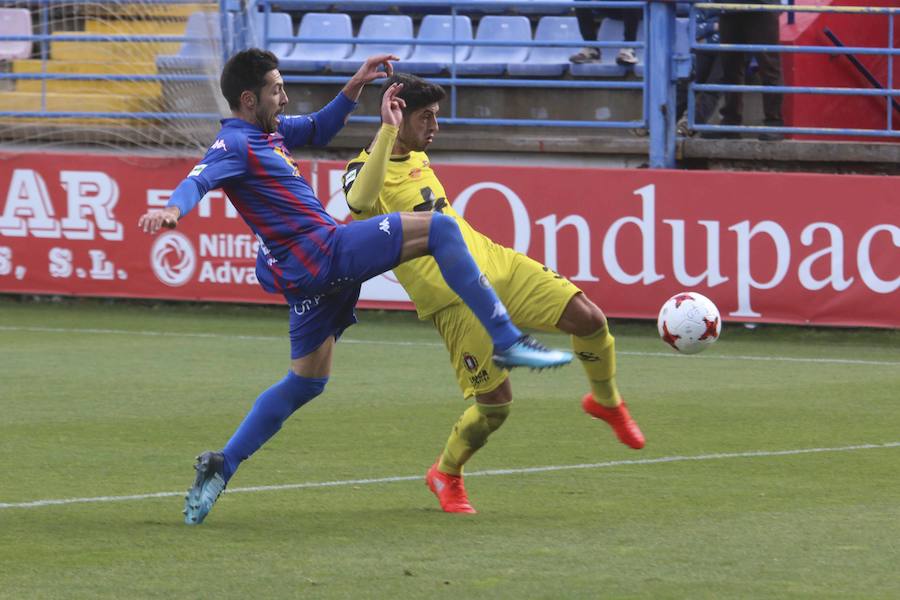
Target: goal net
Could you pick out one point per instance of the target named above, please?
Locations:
(140, 74)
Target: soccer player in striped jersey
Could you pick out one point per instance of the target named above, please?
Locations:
(395, 174)
(304, 255)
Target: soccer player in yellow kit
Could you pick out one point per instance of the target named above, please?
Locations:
(394, 174)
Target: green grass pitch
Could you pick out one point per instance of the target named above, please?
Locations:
(770, 469)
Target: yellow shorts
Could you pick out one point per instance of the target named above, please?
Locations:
(535, 297)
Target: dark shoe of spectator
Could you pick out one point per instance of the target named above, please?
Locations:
(585, 55)
(771, 137)
(626, 57)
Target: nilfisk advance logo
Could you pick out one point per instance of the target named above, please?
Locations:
(173, 259)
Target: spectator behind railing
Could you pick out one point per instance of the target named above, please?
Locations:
(589, 21)
(707, 69)
(761, 27)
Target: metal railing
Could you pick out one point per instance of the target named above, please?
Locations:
(662, 64)
(887, 91)
(455, 81)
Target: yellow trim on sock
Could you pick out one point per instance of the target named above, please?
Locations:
(597, 354)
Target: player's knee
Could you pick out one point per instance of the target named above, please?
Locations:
(495, 414)
(443, 229)
(304, 389)
(497, 418)
(586, 318)
(315, 387)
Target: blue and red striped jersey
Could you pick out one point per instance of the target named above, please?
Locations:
(259, 175)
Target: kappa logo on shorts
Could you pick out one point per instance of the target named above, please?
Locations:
(499, 310)
(385, 226)
(470, 361)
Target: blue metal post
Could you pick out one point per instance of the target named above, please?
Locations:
(266, 16)
(223, 23)
(661, 84)
(890, 75)
(453, 99)
(45, 52)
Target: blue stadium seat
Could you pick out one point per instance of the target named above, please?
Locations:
(611, 30)
(15, 21)
(315, 56)
(377, 27)
(428, 60)
(197, 54)
(550, 61)
(492, 60)
(279, 26)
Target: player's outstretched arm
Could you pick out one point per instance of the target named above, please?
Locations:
(184, 198)
(363, 190)
(154, 220)
(368, 72)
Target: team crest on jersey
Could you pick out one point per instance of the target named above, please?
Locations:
(415, 173)
(470, 361)
(295, 171)
(219, 145)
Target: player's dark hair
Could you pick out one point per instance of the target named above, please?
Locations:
(416, 92)
(244, 71)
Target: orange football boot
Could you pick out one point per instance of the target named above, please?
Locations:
(449, 490)
(618, 418)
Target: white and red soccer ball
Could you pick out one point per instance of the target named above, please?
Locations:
(689, 322)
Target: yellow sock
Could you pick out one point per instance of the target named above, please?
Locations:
(597, 353)
(471, 433)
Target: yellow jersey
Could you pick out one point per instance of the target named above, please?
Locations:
(411, 185)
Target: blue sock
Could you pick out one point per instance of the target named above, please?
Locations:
(447, 246)
(264, 420)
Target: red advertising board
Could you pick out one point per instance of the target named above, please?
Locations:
(791, 248)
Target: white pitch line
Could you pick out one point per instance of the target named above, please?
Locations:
(273, 338)
(491, 472)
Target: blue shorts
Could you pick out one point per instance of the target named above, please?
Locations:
(360, 250)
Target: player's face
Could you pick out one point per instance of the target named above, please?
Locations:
(419, 128)
(272, 102)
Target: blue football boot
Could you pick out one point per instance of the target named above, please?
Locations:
(208, 486)
(528, 352)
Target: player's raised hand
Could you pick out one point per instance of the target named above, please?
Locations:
(154, 220)
(368, 72)
(392, 105)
